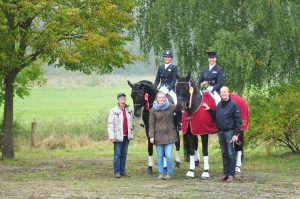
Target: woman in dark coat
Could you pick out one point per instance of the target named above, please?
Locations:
(162, 133)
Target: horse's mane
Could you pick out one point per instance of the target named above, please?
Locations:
(149, 84)
(145, 81)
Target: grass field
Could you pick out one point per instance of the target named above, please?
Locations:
(74, 158)
(74, 110)
(48, 104)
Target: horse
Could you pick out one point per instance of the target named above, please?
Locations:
(189, 100)
(143, 94)
(197, 121)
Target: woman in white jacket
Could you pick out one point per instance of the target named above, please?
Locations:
(120, 131)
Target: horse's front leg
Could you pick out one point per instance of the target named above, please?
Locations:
(239, 149)
(177, 156)
(191, 143)
(150, 152)
(178, 125)
(204, 141)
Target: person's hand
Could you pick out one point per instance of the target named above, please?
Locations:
(152, 140)
(206, 107)
(113, 140)
(210, 88)
(234, 138)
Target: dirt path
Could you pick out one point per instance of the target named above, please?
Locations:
(92, 178)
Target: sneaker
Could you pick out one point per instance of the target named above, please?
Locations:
(124, 175)
(167, 177)
(117, 175)
(160, 177)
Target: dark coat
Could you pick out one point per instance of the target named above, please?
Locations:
(166, 76)
(161, 126)
(214, 77)
(228, 116)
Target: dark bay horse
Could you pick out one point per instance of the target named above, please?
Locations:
(143, 94)
(189, 100)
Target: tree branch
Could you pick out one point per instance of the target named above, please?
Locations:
(33, 57)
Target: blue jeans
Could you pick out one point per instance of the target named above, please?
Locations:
(120, 154)
(164, 150)
(228, 152)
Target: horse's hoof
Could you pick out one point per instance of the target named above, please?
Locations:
(177, 165)
(149, 170)
(205, 175)
(190, 175)
(197, 163)
(237, 169)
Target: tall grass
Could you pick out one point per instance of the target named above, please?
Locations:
(71, 109)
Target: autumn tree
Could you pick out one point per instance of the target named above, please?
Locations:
(87, 36)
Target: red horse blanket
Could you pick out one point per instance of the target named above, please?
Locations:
(201, 122)
(243, 109)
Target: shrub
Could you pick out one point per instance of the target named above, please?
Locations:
(274, 117)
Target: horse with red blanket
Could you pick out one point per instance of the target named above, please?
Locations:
(196, 121)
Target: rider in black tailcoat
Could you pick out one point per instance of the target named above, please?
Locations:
(212, 74)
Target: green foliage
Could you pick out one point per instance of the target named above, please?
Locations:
(32, 75)
(87, 36)
(79, 35)
(275, 117)
(257, 41)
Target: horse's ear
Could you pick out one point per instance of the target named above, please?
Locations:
(141, 86)
(129, 83)
(188, 77)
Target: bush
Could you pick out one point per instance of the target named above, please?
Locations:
(274, 117)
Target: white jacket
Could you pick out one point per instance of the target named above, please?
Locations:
(115, 123)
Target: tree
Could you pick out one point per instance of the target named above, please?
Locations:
(275, 117)
(87, 36)
(257, 41)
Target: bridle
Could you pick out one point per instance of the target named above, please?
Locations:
(191, 90)
(146, 98)
(138, 91)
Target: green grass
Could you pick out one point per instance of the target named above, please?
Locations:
(60, 111)
(74, 104)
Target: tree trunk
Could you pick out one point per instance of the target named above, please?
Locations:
(8, 145)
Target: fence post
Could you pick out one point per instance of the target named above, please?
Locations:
(33, 133)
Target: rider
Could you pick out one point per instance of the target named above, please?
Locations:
(212, 75)
(167, 75)
(212, 78)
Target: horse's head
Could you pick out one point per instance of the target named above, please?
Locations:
(182, 91)
(137, 95)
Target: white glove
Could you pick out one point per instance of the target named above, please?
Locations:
(164, 89)
(210, 88)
